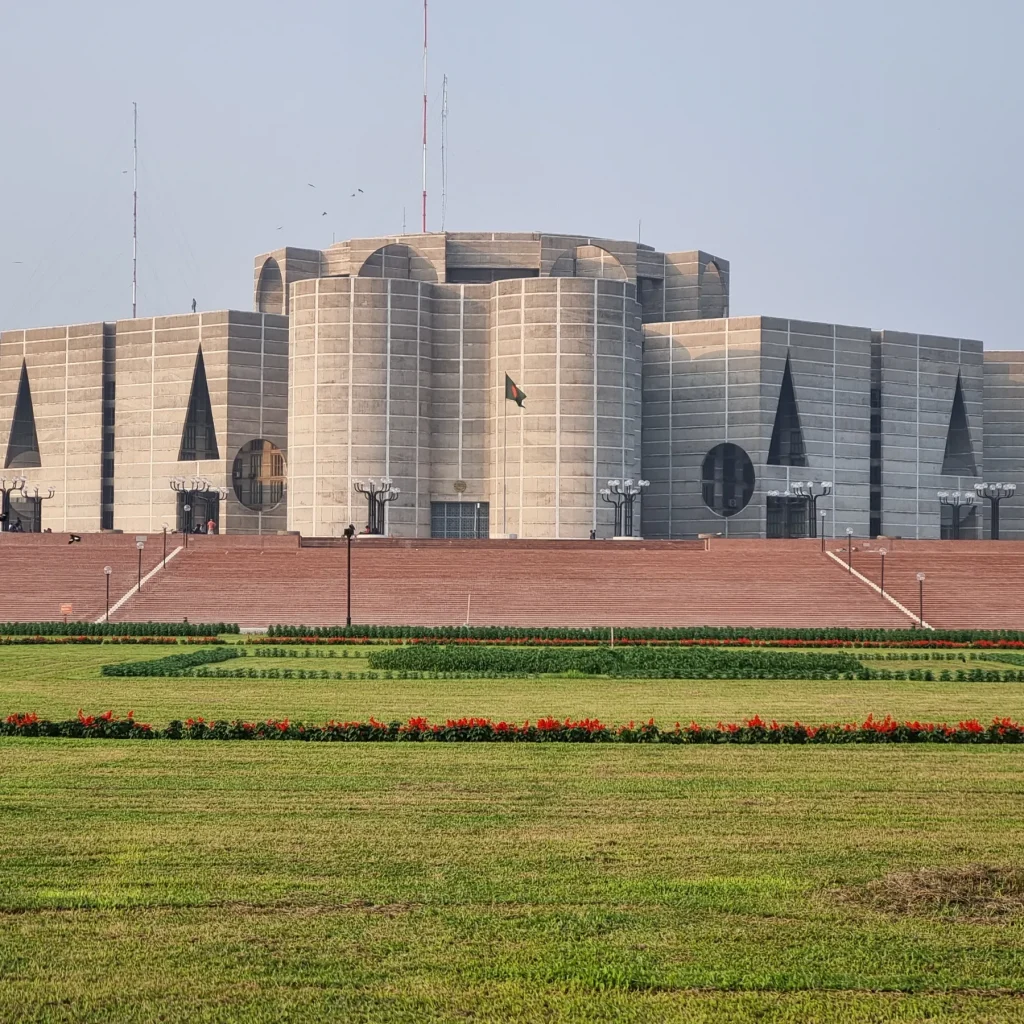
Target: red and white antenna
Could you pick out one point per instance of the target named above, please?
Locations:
(424, 116)
(135, 204)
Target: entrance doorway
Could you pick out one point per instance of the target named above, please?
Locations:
(787, 517)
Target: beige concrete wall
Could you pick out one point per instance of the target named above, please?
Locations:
(406, 379)
(287, 264)
(65, 371)
(154, 366)
(574, 347)
(359, 367)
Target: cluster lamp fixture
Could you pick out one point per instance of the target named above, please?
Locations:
(811, 492)
(621, 495)
(956, 500)
(377, 497)
(995, 493)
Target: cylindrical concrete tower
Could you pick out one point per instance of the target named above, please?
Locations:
(359, 368)
(574, 346)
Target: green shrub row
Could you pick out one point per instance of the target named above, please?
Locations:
(116, 628)
(631, 662)
(603, 634)
(921, 656)
(175, 664)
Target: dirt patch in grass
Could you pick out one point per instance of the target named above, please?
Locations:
(980, 891)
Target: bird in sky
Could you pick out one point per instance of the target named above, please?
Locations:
(310, 184)
(324, 214)
(353, 194)
(280, 226)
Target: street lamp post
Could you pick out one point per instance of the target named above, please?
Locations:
(823, 513)
(377, 497)
(622, 494)
(811, 492)
(349, 532)
(883, 552)
(920, 598)
(165, 546)
(955, 500)
(849, 549)
(106, 572)
(995, 494)
(140, 544)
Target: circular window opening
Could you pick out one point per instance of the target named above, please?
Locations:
(727, 479)
(258, 475)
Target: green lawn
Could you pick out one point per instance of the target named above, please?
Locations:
(293, 882)
(56, 681)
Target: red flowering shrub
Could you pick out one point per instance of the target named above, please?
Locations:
(545, 730)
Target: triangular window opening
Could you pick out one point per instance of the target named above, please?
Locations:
(199, 438)
(23, 445)
(958, 459)
(787, 444)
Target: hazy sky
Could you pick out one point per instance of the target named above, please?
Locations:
(856, 162)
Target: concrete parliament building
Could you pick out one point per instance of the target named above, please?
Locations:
(387, 357)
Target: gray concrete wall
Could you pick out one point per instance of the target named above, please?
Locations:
(701, 387)
(919, 374)
(1004, 436)
(708, 382)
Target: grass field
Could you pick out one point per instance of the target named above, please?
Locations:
(295, 882)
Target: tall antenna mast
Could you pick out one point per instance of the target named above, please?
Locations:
(424, 116)
(444, 150)
(135, 205)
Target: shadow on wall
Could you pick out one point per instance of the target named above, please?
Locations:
(712, 292)
(589, 261)
(398, 261)
(270, 289)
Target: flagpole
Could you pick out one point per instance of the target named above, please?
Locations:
(504, 472)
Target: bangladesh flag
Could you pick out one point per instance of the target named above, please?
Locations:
(513, 393)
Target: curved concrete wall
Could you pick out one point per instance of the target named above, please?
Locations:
(359, 380)
(574, 346)
(406, 379)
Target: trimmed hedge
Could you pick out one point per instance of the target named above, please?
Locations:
(175, 664)
(632, 662)
(545, 730)
(116, 628)
(161, 641)
(740, 636)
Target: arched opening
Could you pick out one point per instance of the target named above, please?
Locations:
(270, 289)
(589, 261)
(258, 475)
(398, 261)
(727, 479)
(712, 292)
